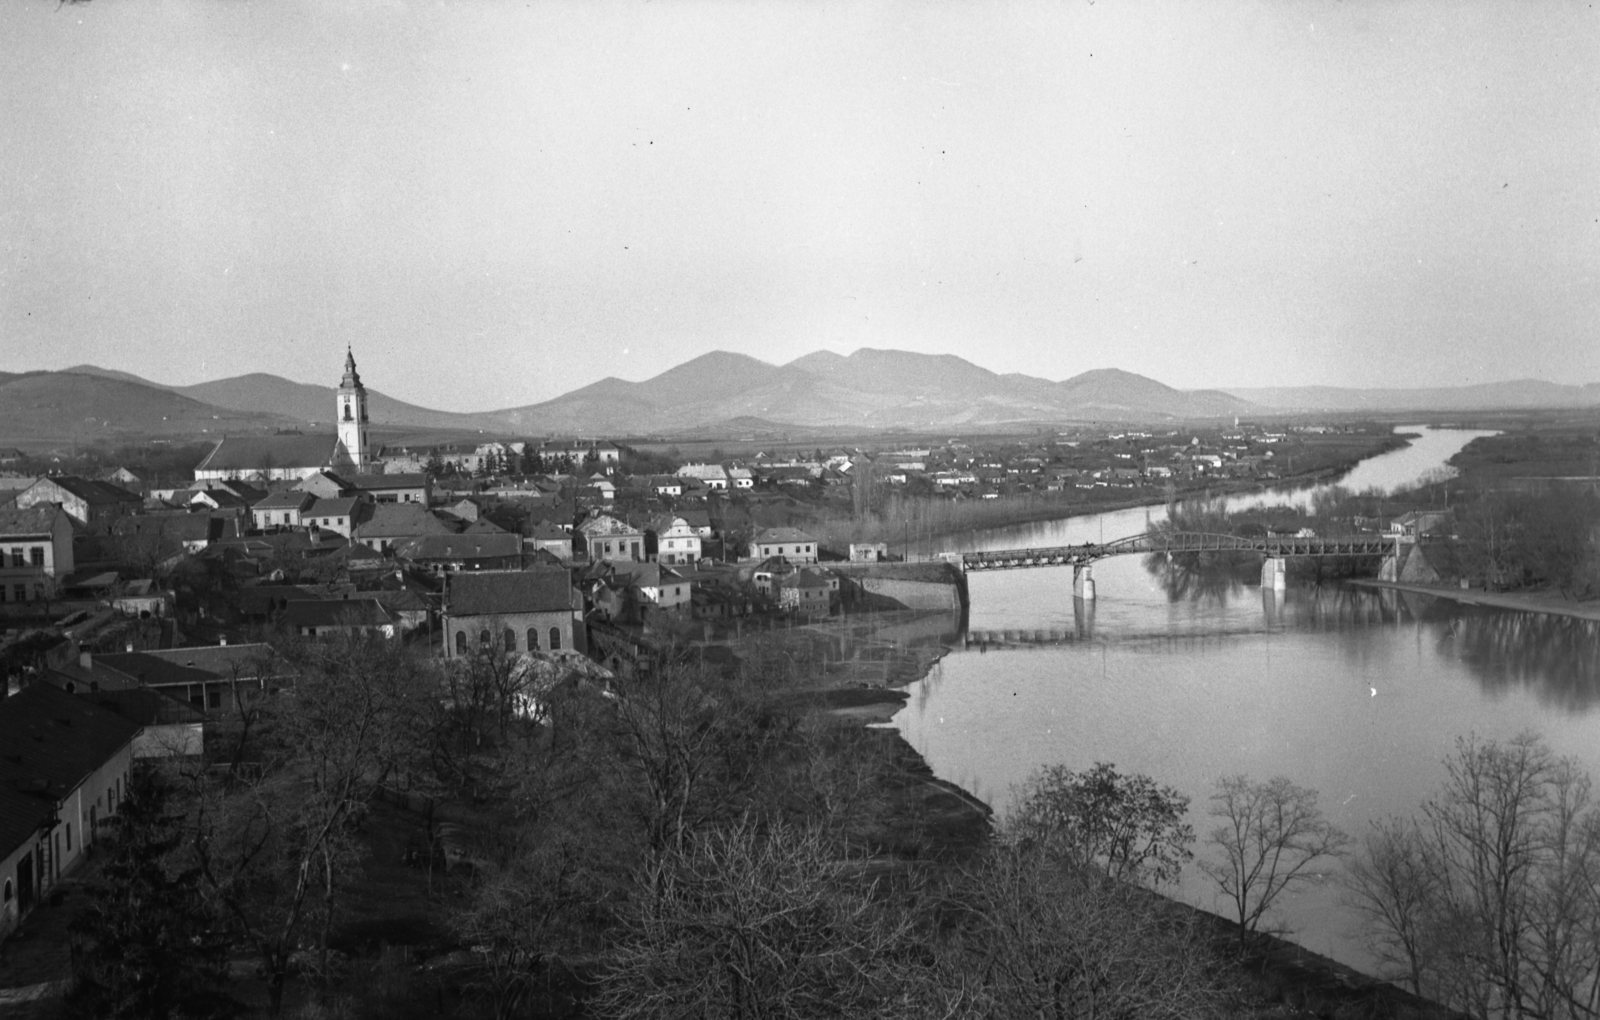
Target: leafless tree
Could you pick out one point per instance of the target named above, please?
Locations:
(1271, 837)
(688, 742)
(271, 837)
(1040, 937)
(1491, 902)
(755, 921)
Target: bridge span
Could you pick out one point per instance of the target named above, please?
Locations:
(1275, 549)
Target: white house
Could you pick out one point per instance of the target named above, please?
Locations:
(713, 476)
(676, 541)
(35, 550)
(792, 544)
(62, 776)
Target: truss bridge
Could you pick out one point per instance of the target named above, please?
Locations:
(1275, 549)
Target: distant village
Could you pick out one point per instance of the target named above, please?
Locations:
(153, 604)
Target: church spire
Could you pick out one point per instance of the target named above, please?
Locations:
(352, 415)
(351, 380)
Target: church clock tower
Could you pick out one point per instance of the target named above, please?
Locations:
(353, 415)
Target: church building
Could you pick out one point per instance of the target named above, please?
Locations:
(348, 451)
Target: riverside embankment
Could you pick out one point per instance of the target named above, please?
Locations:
(1549, 602)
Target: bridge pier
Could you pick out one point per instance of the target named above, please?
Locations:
(1273, 573)
(1083, 582)
(1083, 618)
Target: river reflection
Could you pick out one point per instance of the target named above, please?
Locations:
(1190, 675)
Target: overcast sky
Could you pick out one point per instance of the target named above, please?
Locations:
(495, 203)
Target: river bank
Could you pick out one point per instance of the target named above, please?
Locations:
(926, 819)
(1551, 603)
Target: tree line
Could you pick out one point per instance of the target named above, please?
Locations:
(692, 842)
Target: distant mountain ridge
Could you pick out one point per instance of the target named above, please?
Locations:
(1512, 395)
(869, 388)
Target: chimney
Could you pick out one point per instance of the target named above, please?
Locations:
(86, 659)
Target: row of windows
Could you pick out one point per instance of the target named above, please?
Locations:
(35, 556)
(19, 592)
(509, 640)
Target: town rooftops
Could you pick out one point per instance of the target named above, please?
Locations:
(52, 741)
(263, 453)
(33, 522)
(491, 592)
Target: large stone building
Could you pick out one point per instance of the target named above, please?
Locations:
(348, 450)
(534, 610)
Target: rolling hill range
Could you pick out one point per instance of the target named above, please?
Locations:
(303, 402)
(870, 388)
(64, 405)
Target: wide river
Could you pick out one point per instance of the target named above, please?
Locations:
(1357, 694)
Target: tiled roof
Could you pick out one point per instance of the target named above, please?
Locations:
(288, 499)
(258, 453)
(344, 506)
(179, 526)
(95, 493)
(544, 531)
(398, 480)
(403, 520)
(191, 665)
(493, 592)
(605, 525)
(51, 741)
(336, 613)
(459, 547)
(775, 535)
(35, 520)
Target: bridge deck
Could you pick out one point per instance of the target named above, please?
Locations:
(1178, 542)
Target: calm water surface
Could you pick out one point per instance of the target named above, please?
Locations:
(1358, 694)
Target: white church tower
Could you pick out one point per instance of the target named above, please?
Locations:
(353, 415)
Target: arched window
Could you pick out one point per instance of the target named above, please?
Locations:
(533, 639)
(555, 639)
(484, 639)
(511, 640)
(5, 897)
(347, 412)
(461, 642)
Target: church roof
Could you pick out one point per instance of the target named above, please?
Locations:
(491, 592)
(259, 453)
